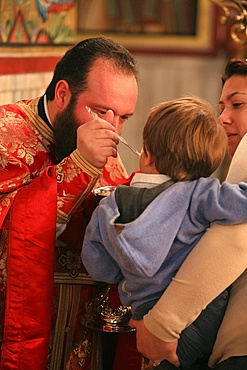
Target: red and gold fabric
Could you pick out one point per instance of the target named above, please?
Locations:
(40, 305)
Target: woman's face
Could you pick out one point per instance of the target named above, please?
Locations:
(233, 110)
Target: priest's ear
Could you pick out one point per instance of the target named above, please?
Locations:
(62, 94)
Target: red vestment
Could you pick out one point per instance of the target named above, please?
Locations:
(40, 306)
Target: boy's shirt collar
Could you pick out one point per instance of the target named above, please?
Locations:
(146, 180)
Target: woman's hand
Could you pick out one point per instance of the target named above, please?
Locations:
(152, 347)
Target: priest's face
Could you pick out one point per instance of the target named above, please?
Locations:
(107, 89)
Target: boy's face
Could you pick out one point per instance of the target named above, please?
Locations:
(146, 162)
(142, 161)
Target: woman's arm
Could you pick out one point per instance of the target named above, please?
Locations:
(217, 260)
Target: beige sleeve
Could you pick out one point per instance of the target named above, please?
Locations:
(232, 335)
(218, 259)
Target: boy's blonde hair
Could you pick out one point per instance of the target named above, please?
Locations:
(185, 138)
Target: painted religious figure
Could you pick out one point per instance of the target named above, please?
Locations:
(37, 22)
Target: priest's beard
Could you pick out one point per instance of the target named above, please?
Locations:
(65, 132)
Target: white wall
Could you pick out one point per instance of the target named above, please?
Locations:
(22, 86)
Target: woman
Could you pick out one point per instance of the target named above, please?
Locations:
(216, 262)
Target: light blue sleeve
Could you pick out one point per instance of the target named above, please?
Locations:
(225, 204)
(97, 261)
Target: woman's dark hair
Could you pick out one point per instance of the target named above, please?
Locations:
(77, 63)
(235, 67)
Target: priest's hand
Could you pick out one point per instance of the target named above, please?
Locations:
(152, 347)
(96, 140)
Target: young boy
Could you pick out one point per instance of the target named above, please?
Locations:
(140, 234)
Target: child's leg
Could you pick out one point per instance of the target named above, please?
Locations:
(198, 339)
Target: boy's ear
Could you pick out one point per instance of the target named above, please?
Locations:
(148, 158)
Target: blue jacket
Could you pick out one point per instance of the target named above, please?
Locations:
(144, 255)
